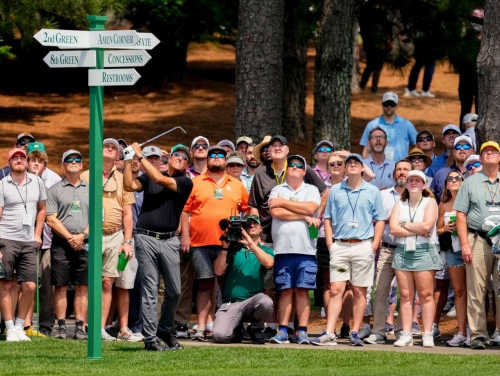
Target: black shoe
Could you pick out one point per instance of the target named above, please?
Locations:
(237, 334)
(269, 333)
(256, 336)
(344, 331)
(156, 345)
(46, 331)
(113, 332)
(182, 331)
(80, 334)
(292, 337)
(169, 339)
(478, 343)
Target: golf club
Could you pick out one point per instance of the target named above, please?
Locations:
(160, 135)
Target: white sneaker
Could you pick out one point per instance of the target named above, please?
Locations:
(21, 334)
(495, 338)
(427, 94)
(452, 312)
(428, 339)
(127, 336)
(12, 335)
(412, 93)
(106, 337)
(323, 313)
(404, 340)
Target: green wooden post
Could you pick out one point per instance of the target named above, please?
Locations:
(94, 349)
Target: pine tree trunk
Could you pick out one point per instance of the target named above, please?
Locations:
(294, 72)
(332, 89)
(259, 68)
(488, 66)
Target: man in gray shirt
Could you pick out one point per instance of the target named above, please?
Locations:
(22, 201)
(67, 216)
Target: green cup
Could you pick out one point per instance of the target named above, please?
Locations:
(453, 219)
(122, 262)
(313, 232)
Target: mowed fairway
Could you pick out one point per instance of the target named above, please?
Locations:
(57, 357)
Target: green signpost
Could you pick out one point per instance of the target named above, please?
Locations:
(95, 39)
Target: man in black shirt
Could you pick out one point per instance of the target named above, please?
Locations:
(156, 246)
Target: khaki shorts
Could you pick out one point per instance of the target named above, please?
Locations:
(126, 279)
(352, 262)
(111, 246)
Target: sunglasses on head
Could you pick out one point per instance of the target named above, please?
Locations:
(389, 104)
(295, 164)
(203, 146)
(470, 166)
(425, 138)
(338, 163)
(324, 149)
(177, 154)
(456, 178)
(462, 147)
(73, 159)
(219, 155)
(234, 165)
(417, 159)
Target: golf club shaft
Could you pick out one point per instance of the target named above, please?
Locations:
(160, 135)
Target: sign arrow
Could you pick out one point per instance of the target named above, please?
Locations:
(113, 77)
(147, 42)
(125, 58)
(70, 59)
(63, 38)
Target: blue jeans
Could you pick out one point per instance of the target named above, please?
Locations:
(429, 69)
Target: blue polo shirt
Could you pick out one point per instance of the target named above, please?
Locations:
(363, 205)
(383, 173)
(400, 135)
(437, 164)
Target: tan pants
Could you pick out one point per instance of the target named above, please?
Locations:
(383, 280)
(478, 275)
(185, 307)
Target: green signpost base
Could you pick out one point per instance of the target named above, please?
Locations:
(94, 349)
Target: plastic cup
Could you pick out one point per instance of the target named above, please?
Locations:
(453, 219)
(313, 232)
(122, 262)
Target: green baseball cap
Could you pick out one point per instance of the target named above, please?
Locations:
(32, 146)
(253, 217)
(180, 147)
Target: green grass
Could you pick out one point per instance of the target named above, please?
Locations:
(56, 357)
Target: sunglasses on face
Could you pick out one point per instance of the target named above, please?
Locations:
(203, 146)
(425, 138)
(417, 159)
(73, 159)
(456, 178)
(389, 104)
(378, 138)
(295, 164)
(462, 147)
(338, 163)
(180, 155)
(231, 165)
(473, 165)
(219, 155)
(324, 149)
(263, 150)
(23, 142)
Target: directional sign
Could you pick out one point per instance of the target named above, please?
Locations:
(118, 58)
(113, 39)
(148, 42)
(113, 77)
(70, 59)
(63, 38)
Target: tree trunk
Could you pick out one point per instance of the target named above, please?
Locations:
(332, 88)
(294, 71)
(355, 59)
(259, 68)
(488, 67)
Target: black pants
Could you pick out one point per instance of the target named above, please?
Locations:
(467, 93)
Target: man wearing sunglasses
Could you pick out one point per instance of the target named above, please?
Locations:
(426, 143)
(22, 142)
(68, 216)
(323, 150)
(401, 134)
(117, 228)
(156, 243)
(293, 206)
(473, 165)
(449, 133)
(378, 162)
(462, 150)
(199, 150)
(215, 196)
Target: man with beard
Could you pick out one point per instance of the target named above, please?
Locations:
(23, 140)
(385, 273)
(22, 215)
(156, 243)
(215, 196)
(449, 133)
(462, 149)
(249, 171)
(381, 166)
(199, 150)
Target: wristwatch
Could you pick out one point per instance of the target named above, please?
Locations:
(128, 241)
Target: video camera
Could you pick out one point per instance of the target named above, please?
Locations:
(233, 225)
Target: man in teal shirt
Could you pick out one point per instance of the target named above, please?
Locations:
(244, 270)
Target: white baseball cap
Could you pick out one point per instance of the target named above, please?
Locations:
(471, 159)
(451, 127)
(196, 139)
(416, 173)
(469, 118)
(390, 96)
(463, 138)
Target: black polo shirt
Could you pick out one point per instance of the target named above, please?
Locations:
(161, 209)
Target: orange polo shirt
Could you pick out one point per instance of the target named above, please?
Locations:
(207, 209)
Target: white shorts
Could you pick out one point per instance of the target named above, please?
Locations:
(352, 262)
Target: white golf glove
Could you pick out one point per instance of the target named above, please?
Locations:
(128, 153)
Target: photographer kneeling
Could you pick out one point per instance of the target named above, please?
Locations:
(244, 265)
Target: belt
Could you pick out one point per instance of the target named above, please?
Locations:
(387, 245)
(156, 235)
(111, 230)
(481, 234)
(350, 240)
